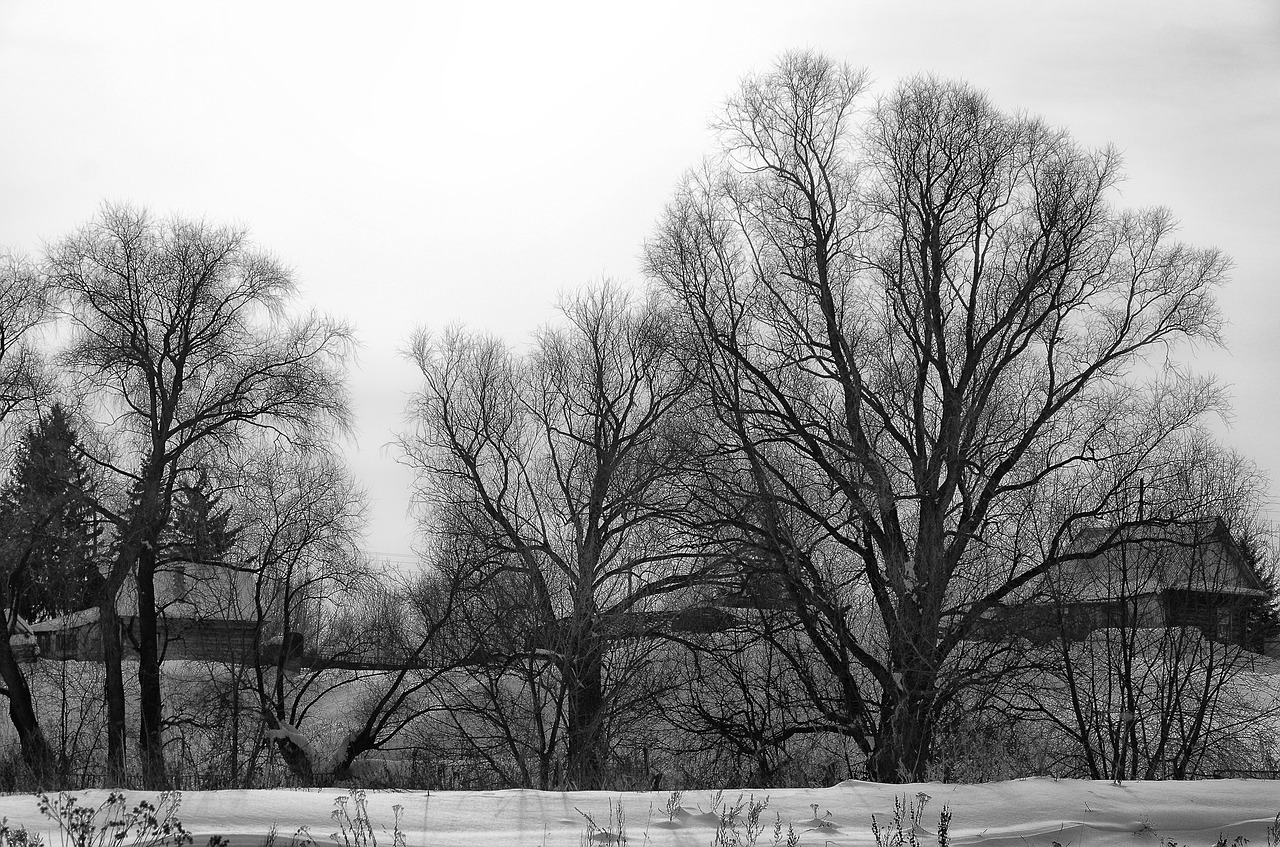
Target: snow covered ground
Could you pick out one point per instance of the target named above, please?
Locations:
(1022, 812)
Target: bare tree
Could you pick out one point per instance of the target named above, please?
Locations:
(916, 322)
(332, 628)
(1135, 701)
(302, 522)
(742, 702)
(180, 328)
(562, 465)
(503, 709)
(24, 304)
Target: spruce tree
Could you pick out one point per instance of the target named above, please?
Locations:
(49, 532)
(201, 529)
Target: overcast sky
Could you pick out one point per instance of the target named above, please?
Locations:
(429, 163)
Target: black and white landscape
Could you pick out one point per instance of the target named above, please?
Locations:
(657, 402)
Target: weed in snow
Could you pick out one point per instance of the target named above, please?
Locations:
(905, 828)
(613, 832)
(673, 805)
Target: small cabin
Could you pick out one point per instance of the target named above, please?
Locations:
(1192, 575)
(206, 613)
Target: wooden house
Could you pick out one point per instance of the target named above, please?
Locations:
(206, 613)
(1191, 575)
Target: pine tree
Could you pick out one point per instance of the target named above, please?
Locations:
(49, 533)
(201, 529)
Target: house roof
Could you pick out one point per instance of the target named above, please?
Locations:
(1199, 556)
(64, 622)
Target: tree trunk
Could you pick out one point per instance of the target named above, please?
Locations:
(139, 537)
(296, 757)
(302, 758)
(362, 743)
(905, 735)
(113, 687)
(233, 777)
(585, 724)
(150, 731)
(35, 749)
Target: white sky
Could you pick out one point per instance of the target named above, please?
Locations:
(422, 165)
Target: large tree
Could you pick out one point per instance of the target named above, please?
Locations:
(180, 327)
(558, 469)
(924, 326)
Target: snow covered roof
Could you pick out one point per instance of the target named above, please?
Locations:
(65, 622)
(1200, 556)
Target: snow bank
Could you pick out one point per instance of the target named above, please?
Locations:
(1020, 812)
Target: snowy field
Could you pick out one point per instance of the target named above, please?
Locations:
(1022, 812)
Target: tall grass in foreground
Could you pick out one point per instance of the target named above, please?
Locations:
(112, 823)
(107, 825)
(904, 830)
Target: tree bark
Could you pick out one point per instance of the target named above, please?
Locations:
(113, 687)
(150, 731)
(136, 554)
(905, 732)
(35, 749)
(585, 724)
(296, 759)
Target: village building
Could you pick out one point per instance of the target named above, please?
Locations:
(1187, 575)
(207, 612)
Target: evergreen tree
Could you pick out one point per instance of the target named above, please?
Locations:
(49, 532)
(201, 528)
